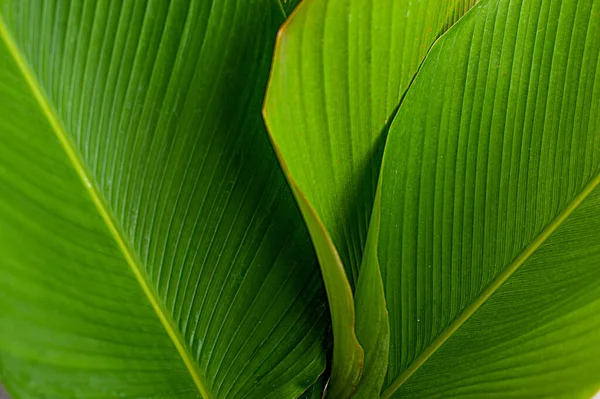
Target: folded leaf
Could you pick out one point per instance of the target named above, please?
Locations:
(488, 243)
(151, 247)
(348, 356)
(372, 323)
(339, 72)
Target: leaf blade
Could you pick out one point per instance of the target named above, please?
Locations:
(557, 327)
(340, 70)
(138, 89)
(489, 153)
(58, 129)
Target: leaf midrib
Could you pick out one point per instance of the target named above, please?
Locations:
(96, 198)
(493, 287)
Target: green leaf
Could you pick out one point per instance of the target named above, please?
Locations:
(372, 323)
(288, 6)
(489, 243)
(339, 71)
(317, 389)
(537, 336)
(348, 356)
(151, 247)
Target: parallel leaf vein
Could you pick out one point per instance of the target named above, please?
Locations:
(492, 287)
(96, 198)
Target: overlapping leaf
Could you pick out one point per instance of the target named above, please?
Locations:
(489, 243)
(340, 70)
(150, 244)
(152, 249)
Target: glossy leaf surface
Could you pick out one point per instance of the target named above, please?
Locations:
(488, 244)
(150, 244)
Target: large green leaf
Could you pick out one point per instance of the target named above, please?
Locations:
(150, 246)
(340, 69)
(489, 243)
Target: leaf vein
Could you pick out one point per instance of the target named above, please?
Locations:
(81, 171)
(492, 287)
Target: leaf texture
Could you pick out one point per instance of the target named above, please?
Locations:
(288, 6)
(340, 69)
(537, 336)
(488, 237)
(151, 246)
(372, 324)
(317, 389)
